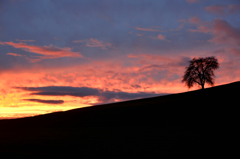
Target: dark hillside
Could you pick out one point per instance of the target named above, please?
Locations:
(193, 124)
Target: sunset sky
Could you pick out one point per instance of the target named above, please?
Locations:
(57, 55)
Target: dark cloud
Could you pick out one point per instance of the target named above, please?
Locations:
(219, 51)
(149, 67)
(135, 86)
(62, 90)
(108, 96)
(183, 61)
(104, 96)
(46, 101)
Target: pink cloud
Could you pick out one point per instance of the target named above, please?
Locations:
(94, 43)
(194, 20)
(234, 8)
(180, 27)
(235, 51)
(182, 20)
(202, 26)
(147, 29)
(224, 33)
(219, 9)
(223, 9)
(49, 52)
(161, 37)
(192, 1)
(25, 40)
(139, 34)
(201, 29)
(14, 54)
(132, 56)
(153, 58)
(78, 41)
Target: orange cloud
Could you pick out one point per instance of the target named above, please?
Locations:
(159, 74)
(49, 52)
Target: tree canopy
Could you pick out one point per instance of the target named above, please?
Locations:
(200, 71)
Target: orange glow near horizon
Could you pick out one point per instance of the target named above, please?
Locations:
(109, 76)
(14, 105)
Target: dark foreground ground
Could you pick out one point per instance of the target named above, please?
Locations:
(196, 124)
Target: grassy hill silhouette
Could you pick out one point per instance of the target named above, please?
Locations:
(196, 124)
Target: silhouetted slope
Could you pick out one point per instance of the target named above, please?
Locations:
(193, 124)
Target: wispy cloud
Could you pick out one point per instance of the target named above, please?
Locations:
(95, 43)
(160, 37)
(194, 20)
(192, 1)
(182, 20)
(139, 34)
(202, 29)
(132, 56)
(223, 9)
(148, 29)
(219, 9)
(202, 26)
(14, 54)
(25, 40)
(49, 52)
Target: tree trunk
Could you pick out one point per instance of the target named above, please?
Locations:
(202, 86)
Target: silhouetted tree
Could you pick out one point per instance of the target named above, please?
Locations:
(200, 71)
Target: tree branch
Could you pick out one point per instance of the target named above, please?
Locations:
(196, 81)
